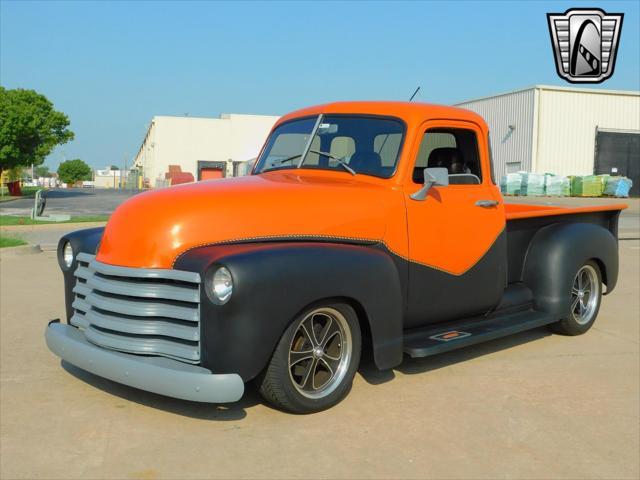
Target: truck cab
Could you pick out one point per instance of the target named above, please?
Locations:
(364, 225)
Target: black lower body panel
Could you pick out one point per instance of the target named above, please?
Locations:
(462, 333)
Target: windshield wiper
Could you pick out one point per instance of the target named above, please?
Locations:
(339, 160)
(318, 152)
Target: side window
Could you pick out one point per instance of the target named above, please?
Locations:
(455, 149)
(432, 141)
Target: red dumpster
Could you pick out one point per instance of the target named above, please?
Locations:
(14, 188)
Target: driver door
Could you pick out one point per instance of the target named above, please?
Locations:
(457, 243)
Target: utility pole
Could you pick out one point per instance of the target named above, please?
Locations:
(123, 174)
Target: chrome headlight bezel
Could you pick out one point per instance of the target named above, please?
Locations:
(67, 256)
(220, 285)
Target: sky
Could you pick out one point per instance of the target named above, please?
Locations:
(112, 66)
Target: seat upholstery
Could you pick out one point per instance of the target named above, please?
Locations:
(366, 161)
(451, 159)
(445, 157)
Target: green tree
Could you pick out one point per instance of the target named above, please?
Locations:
(73, 170)
(113, 167)
(30, 128)
(42, 171)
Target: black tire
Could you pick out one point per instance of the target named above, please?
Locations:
(575, 324)
(280, 383)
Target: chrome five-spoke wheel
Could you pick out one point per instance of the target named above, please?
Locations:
(584, 301)
(320, 352)
(585, 295)
(317, 356)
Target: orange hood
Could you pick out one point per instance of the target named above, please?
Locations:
(153, 228)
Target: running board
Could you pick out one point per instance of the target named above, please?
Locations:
(462, 333)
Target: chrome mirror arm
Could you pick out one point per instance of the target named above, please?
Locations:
(432, 176)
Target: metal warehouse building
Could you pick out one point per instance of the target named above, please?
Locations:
(200, 148)
(566, 131)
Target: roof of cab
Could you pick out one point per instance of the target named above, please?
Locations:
(410, 112)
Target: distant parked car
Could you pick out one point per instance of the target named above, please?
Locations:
(88, 184)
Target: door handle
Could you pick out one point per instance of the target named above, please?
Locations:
(487, 203)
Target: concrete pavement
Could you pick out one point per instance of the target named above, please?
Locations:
(47, 235)
(533, 405)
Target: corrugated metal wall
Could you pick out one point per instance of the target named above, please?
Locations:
(512, 149)
(568, 122)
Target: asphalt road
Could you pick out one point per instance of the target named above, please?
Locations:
(75, 201)
(534, 405)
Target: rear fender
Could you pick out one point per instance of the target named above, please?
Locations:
(554, 256)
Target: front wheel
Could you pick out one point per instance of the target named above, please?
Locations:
(313, 366)
(586, 296)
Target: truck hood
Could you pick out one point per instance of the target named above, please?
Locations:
(153, 228)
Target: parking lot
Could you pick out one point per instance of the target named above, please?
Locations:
(534, 405)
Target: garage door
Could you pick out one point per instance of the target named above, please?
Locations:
(210, 173)
(618, 153)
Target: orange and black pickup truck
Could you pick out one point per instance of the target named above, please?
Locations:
(363, 226)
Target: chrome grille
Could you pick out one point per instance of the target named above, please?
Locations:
(138, 310)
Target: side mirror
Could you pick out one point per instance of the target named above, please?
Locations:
(438, 177)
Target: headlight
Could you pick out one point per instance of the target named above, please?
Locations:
(67, 254)
(222, 286)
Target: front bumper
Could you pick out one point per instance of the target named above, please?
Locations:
(153, 374)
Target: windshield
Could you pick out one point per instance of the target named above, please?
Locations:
(346, 143)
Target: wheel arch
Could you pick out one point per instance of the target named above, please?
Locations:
(603, 272)
(554, 255)
(298, 275)
(361, 316)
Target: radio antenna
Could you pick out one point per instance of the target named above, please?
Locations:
(387, 135)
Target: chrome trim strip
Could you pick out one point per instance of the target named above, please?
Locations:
(78, 320)
(133, 310)
(81, 289)
(81, 305)
(143, 346)
(139, 289)
(141, 308)
(141, 327)
(106, 269)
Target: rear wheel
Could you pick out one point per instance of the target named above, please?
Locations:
(586, 296)
(313, 366)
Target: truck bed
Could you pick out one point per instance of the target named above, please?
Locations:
(515, 211)
(524, 221)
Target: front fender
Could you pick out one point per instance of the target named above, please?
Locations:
(554, 256)
(82, 241)
(274, 282)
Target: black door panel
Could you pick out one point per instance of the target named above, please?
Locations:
(621, 151)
